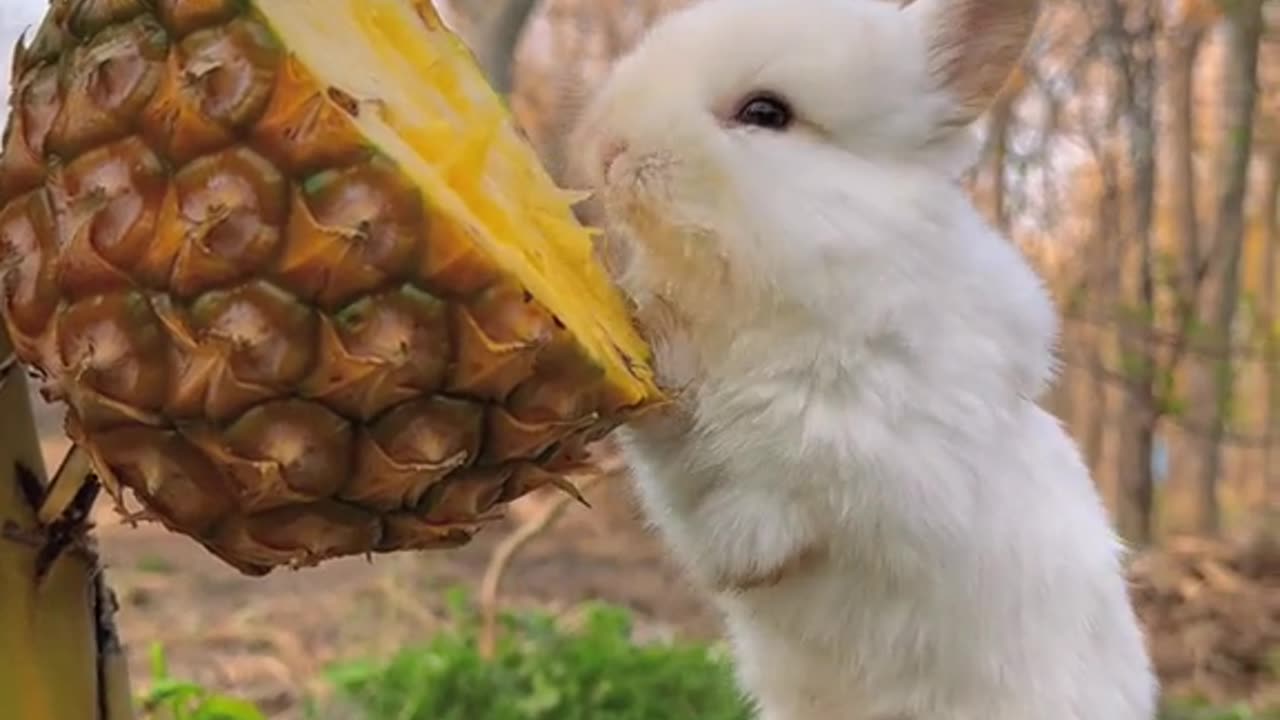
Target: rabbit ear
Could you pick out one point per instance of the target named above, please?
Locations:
(973, 48)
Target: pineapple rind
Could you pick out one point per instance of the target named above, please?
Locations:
(296, 319)
(429, 96)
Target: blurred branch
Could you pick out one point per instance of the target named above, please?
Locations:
(504, 36)
(491, 584)
(1217, 348)
(493, 29)
(1269, 320)
(1183, 47)
(1117, 378)
(1213, 385)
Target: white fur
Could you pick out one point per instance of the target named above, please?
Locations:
(858, 359)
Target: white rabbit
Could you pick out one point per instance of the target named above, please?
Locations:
(856, 468)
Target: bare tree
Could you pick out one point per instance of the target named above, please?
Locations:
(1270, 322)
(997, 150)
(1128, 38)
(493, 29)
(1183, 44)
(1213, 382)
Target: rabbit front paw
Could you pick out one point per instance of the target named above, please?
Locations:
(751, 541)
(759, 577)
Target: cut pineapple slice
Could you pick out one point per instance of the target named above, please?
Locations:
(415, 91)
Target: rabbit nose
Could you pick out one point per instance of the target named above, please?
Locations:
(609, 154)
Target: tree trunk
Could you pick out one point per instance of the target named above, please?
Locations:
(1001, 114)
(1184, 229)
(1183, 45)
(1136, 339)
(1134, 511)
(1214, 381)
(1103, 280)
(504, 38)
(493, 31)
(61, 656)
(1270, 322)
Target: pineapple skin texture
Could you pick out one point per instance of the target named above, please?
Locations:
(259, 325)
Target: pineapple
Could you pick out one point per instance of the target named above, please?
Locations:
(302, 285)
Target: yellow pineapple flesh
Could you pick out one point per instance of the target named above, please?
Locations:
(302, 285)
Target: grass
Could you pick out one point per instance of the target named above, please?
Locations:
(542, 669)
(155, 565)
(1195, 710)
(173, 699)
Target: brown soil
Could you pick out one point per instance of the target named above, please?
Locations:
(1212, 611)
(269, 638)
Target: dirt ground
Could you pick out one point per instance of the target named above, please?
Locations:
(268, 639)
(1212, 609)
(1212, 613)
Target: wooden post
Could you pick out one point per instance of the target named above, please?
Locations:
(60, 658)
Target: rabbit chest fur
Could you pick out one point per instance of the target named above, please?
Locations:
(892, 526)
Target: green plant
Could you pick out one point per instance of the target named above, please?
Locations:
(1200, 710)
(541, 670)
(173, 699)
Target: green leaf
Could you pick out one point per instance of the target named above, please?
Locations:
(159, 667)
(545, 670)
(228, 708)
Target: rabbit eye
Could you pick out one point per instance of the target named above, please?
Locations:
(765, 111)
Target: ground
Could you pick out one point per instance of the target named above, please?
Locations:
(1212, 609)
(269, 638)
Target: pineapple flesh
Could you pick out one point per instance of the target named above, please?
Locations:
(302, 285)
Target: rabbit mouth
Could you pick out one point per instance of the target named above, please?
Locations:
(645, 179)
(642, 193)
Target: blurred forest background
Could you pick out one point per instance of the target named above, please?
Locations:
(1135, 158)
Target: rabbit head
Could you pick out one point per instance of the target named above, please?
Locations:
(801, 157)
